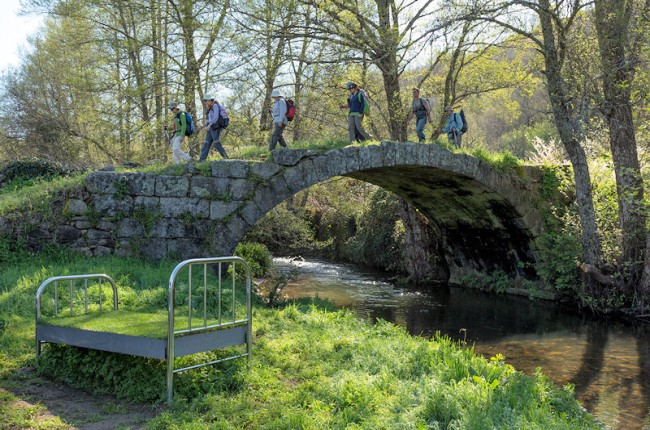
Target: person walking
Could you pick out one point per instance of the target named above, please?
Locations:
(356, 103)
(422, 111)
(453, 127)
(279, 112)
(178, 136)
(213, 134)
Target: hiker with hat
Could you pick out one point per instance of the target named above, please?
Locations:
(178, 135)
(356, 102)
(217, 120)
(279, 112)
(453, 127)
(422, 111)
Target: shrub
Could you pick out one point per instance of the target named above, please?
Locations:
(257, 256)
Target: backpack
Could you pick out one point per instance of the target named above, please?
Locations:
(189, 129)
(363, 98)
(222, 119)
(291, 110)
(465, 126)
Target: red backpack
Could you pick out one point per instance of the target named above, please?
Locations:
(291, 110)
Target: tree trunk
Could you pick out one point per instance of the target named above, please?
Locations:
(571, 136)
(424, 250)
(612, 20)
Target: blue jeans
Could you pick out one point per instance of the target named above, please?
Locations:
(212, 137)
(420, 123)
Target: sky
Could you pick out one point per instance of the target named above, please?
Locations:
(14, 30)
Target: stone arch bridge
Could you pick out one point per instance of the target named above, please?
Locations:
(487, 219)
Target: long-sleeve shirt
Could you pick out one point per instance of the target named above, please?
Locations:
(453, 121)
(180, 124)
(213, 114)
(356, 101)
(279, 111)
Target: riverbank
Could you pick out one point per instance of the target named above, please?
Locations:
(311, 368)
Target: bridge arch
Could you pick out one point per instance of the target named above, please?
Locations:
(488, 217)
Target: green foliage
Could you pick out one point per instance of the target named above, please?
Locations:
(147, 217)
(284, 231)
(502, 161)
(380, 236)
(497, 281)
(310, 368)
(24, 172)
(257, 256)
(35, 196)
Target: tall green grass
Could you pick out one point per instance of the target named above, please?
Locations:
(311, 368)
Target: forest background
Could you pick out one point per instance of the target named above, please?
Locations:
(563, 83)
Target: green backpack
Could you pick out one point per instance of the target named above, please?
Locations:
(363, 98)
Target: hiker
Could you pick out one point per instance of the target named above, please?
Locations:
(279, 112)
(214, 126)
(356, 103)
(453, 127)
(178, 135)
(422, 111)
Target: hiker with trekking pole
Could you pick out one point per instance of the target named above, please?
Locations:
(453, 127)
(183, 126)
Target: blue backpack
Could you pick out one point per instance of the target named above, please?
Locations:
(189, 129)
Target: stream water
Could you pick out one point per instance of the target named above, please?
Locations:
(608, 362)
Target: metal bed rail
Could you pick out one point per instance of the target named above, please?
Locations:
(233, 323)
(72, 279)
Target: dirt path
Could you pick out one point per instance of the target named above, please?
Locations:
(78, 409)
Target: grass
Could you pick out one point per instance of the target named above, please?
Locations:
(311, 368)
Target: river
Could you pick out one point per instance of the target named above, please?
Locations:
(608, 362)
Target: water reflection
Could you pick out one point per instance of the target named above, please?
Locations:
(608, 362)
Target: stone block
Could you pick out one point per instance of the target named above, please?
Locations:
(172, 186)
(241, 189)
(264, 171)
(82, 224)
(101, 251)
(109, 205)
(96, 235)
(251, 213)
(291, 157)
(169, 228)
(270, 195)
(389, 153)
(370, 157)
(103, 182)
(220, 210)
(106, 226)
(128, 227)
(184, 249)
(175, 207)
(153, 249)
(208, 187)
(237, 169)
(149, 203)
(66, 234)
(76, 207)
(141, 184)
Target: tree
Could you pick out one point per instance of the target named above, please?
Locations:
(381, 31)
(551, 39)
(619, 54)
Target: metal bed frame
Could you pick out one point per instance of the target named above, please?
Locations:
(178, 343)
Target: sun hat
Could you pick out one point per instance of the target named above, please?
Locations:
(276, 93)
(448, 108)
(207, 97)
(173, 106)
(349, 85)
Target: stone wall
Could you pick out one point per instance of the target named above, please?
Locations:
(488, 218)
